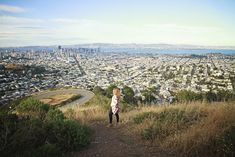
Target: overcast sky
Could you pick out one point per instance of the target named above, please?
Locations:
(53, 22)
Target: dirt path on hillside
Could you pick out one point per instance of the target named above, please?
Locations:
(114, 142)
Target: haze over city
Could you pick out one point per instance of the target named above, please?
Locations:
(190, 22)
(117, 78)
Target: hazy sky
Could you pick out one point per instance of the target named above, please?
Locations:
(53, 22)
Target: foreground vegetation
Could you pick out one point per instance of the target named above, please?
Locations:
(191, 129)
(187, 129)
(35, 129)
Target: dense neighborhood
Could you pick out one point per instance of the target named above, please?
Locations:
(25, 72)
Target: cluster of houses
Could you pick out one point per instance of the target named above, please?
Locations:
(166, 73)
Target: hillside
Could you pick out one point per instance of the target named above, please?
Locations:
(184, 129)
(31, 128)
(190, 129)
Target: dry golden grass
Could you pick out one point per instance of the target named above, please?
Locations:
(219, 119)
(87, 114)
(57, 99)
(191, 134)
(94, 110)
(191, 139)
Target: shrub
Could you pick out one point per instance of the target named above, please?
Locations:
(40, 130)
(28, 136)
(223, 95)
(68, 135)
(32, 108)
(12, 105)
(128, 94)
(210, 96)
(188, 96)
(224, 146)
(47, 150)
(8, 125)
(148, 95)
(54, 115)
(99, 90)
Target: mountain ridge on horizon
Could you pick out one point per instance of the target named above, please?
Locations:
(130, 45)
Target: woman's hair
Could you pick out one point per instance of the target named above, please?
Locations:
(116, 92)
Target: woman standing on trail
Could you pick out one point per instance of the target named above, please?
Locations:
(114, 107)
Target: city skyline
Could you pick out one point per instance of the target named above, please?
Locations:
(26, 22)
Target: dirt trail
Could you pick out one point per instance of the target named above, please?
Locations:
(113, 142)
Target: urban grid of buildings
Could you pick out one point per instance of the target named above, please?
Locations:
(25, 72)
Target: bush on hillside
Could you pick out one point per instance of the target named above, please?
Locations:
(40, 130)
(190, 96)
(54, 115)
(68, 135)
(99, 90)
(32, 108)
(148, 95)
(210, 96)
(224, 145)
(128, 95)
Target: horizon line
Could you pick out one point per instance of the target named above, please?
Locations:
(100, 43)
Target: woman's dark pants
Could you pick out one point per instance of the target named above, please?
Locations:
(111, 116)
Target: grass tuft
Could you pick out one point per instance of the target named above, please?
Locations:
(195, 129)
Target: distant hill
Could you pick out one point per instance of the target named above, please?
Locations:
(128, 45)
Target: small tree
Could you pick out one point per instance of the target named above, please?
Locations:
(210, 96)
(187, 96)
(148, 94)
(128, 94)
(99, 90)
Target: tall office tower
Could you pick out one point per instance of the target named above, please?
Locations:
(1, 55)
(60, 51)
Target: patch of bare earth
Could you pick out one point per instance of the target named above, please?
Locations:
(57, 99)
(115, 142)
